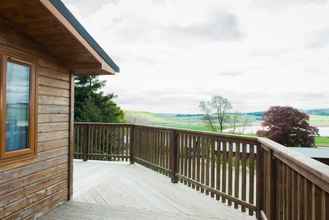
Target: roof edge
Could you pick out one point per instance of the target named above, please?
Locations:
(66, 13)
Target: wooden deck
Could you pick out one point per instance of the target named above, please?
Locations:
(115, 190)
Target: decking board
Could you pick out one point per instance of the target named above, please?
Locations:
(115, 190)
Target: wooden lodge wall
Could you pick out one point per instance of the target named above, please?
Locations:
(30, 188)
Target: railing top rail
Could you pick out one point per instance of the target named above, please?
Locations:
(314, 170)
(102, 123)
(227, 136)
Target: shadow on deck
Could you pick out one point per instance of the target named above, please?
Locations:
(113, 190)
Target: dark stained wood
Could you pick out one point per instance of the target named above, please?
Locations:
(71, 140)
(198, 158)
(244, 174)
(251, 166)
(301, 184)
(237, 174)
(212, 168)
(173, 156)
(186, 156)
(207, 162)
(218, 167)
(230, 171)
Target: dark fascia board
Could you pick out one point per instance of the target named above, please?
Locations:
(60, 6)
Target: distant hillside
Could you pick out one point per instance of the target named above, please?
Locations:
(314, 112)
(256, 115)
(318, 117)
(321, 112)
(194, 122)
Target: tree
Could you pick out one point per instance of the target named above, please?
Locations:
(91, 105)
(238, 122)
(215, 112)
(288, 126)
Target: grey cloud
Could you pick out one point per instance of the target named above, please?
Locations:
(223, 26)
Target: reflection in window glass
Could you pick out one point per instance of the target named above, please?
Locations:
(17, 103)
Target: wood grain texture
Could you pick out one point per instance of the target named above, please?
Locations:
(32, 187)
(154, 197)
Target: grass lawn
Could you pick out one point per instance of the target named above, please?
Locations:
(322, 141)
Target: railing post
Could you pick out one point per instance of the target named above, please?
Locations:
(259, 181)
(174, 158)
(132, 144)
(86, 145)
(266, 177)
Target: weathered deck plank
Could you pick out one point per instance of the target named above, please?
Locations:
(114, 190)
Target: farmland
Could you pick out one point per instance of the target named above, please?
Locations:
(196, 122)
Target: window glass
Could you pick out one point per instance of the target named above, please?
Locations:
(17, 106)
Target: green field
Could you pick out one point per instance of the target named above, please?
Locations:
(322, 141)
(195, 122)
(166, 120)
(318, 120)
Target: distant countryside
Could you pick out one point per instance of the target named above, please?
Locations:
(318, 118)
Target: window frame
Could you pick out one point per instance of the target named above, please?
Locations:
(30, 150)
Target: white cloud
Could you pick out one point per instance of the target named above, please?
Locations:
(173, 54)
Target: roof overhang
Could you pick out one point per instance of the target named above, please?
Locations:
(50, 24)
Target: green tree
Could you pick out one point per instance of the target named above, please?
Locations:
(91, 105)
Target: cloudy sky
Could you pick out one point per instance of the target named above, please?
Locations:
(175, 53)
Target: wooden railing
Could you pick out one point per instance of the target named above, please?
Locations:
(100, 141)
(254, 175)
(290, 185)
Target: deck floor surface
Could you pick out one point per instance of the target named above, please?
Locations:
(115, 190)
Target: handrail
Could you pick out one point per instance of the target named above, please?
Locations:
(304, 163)
(101, 123)
(291, 185)
(233, 136)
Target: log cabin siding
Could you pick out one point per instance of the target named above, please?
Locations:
(32, 187)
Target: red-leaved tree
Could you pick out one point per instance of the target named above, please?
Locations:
(288, 126)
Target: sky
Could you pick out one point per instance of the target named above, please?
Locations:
(175, 53)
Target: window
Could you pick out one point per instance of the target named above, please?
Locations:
(17, 108)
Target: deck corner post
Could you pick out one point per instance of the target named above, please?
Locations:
(266, 187)
(132, 144)
(174, 158)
